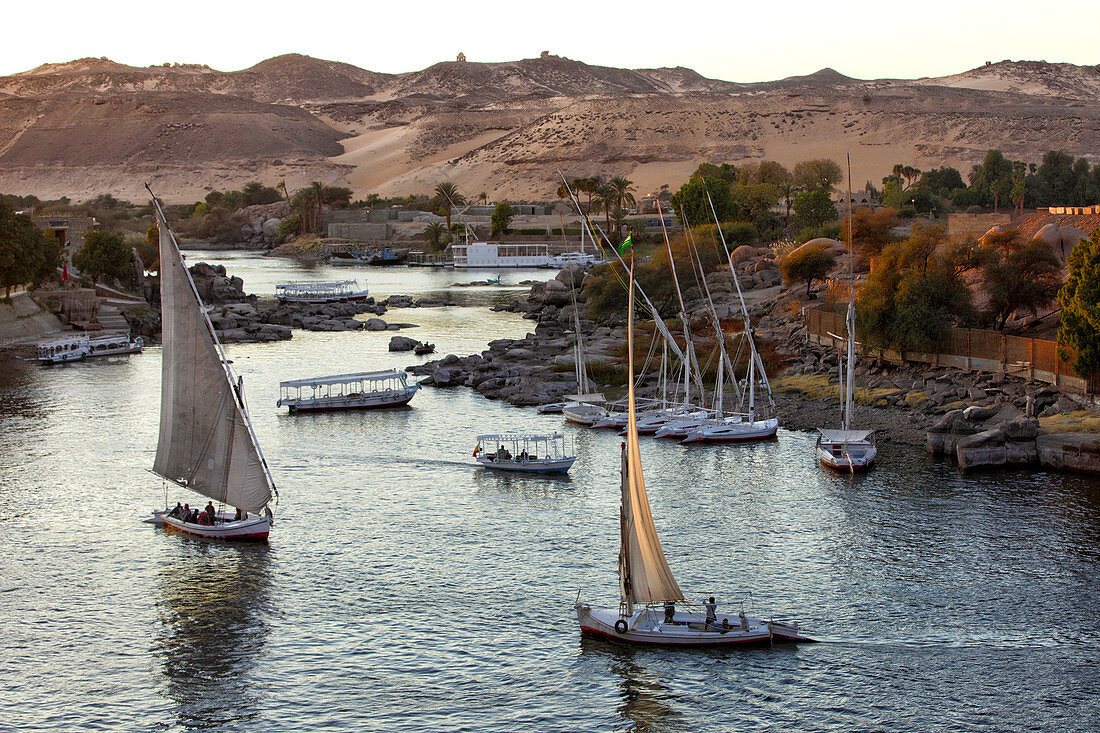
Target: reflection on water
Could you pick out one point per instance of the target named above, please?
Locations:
(213, 608)
(408, 589)
(645, 703)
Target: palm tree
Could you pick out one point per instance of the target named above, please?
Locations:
(449, 196)
(622, 190)
(483, 198)
(603, 199)
(317, 197)
(433, 236)
(787, 189)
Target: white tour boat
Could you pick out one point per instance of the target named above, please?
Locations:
(520, 452)
(206, 442)
(74, 348)
(494, 255)
(647, 612)
(62, 350)
(362, 391)
(317, 293)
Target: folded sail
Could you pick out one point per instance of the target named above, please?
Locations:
(644, 574)
(205, 443)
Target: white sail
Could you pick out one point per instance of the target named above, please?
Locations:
(644, 574)
(205, 443)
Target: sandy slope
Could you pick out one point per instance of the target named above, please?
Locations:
(93, 126)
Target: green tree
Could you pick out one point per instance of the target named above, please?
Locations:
(1079, 325)
(104, 254)
(20, 243)
(817, 175)
(502, 217)
(434, 235)
(448, 197)
(993, 178)
(1019, 276)
(813, 208)
(690, 201)
(255, 193)
(915, 296)
(807, 263)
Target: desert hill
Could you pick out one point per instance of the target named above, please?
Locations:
(92, 125)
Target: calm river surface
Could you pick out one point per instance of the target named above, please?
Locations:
(405, 589)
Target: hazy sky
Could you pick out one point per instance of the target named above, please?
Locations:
(730, 40)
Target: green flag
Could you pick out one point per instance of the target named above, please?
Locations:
(627, 244)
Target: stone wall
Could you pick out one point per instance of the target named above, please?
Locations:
(360, 231)
(961, 226)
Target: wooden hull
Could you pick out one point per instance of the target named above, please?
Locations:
(645, 627)
(555, 466)
(648, 627)
(253, 529)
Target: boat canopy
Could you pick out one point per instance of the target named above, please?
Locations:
(591, 397)
(344, 379)
(519, 437)
(206, 442)
(845, 436)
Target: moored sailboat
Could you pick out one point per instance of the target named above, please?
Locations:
(647, 612)
(847, 449)
(206, 441)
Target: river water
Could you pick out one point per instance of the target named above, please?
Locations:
(405, 589)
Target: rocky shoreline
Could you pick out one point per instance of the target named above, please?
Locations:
(988, 414)
(238, 317)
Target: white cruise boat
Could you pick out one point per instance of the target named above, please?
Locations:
(494, 255)
(317, 293)
(363, 391)
(525, 453)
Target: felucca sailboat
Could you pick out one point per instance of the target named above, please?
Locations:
(647, 612)
(847, 449)
(206, 443)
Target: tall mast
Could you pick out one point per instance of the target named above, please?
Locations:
(754, 355)
(851, 316)
(688, 348)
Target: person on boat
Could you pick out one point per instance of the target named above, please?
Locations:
(712, 608)
(203, 519)
(670, 611)
(523, 455)
(211, 513)
(241, 514)
(177, 512)
(185, 515)
(744, 621)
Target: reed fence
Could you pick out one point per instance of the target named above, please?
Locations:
(972, 349)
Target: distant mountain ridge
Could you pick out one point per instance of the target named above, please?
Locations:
(92, 125)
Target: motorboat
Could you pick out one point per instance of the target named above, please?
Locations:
(206, 442)
(318, 293)
(385, 257)
(652, 609)
(525, 453)
(362, 391)
(345, 259)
